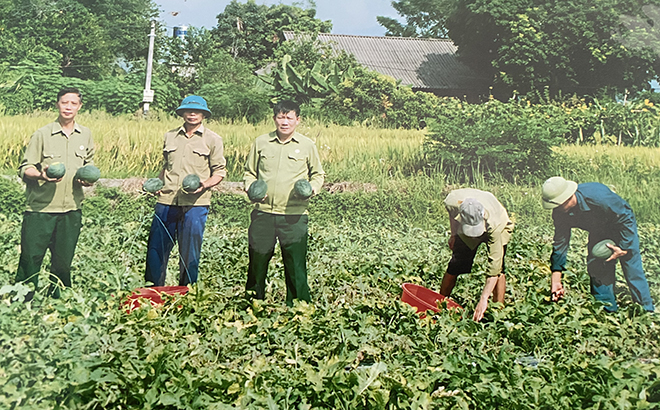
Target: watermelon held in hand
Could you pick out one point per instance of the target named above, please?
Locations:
(88, 174)
(191, 183)
(303, 189)
(257, 191)
(601, 251)
(56, 170)
(152, 185)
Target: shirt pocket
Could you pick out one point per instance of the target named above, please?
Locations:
(267, 162)
(169, 153)
(296, 165)
(80, 154)
(199, 160)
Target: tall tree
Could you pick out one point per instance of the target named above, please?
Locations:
(252, 31)
(89, 35)
(565, 46)
(424, 18)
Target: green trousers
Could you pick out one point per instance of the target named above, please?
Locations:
(291, 230)
(42, 231)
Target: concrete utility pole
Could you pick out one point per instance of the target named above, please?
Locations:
(148, 93)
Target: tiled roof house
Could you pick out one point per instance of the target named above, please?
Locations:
(429, 65)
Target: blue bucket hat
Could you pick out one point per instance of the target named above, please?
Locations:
(194, 102)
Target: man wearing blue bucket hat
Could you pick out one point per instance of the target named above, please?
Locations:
(477, 217)
(595, 208)
(180, 214)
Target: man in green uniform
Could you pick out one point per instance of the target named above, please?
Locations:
(477, 217)
(53, 217)
(281, 158)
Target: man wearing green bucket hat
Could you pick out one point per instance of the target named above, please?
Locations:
(477, 217)
(180, 214)
(594, 208)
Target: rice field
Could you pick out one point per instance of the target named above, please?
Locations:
(391, 159)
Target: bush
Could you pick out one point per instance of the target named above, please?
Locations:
(236, 102)
(493, 138)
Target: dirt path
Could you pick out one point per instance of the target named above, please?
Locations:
(134, 185)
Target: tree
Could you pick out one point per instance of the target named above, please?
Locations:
(539, 47)
(252, 32)
(424, 18)
(89, 35)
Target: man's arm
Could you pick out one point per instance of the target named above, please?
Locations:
(560, 245)
(316, 173)
(217, 165)
(491, 281)
(251, 166)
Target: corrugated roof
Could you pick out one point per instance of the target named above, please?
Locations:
(420, 62)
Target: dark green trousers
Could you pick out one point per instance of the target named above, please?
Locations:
(291, 230)
(43, 231)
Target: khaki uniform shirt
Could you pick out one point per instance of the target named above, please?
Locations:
(47, 146)
(201, 154)
(498, 225)
(280, 165)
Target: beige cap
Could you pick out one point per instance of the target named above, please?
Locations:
(556, 191)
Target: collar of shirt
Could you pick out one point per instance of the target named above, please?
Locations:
(199, 131)
(275, 138)
(582, 205)
(57, 129)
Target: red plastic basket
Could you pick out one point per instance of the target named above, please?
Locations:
(425, 299)
(153, 295)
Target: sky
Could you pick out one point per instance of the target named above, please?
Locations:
(357, 17)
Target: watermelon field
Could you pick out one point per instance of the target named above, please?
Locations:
(379, 223)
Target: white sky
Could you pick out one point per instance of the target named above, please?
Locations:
(356, 17)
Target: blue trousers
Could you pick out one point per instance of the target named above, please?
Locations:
(182, 224)
(603, 276)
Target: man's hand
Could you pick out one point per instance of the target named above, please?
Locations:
(35, 174)
(84, 183)
(556, 288)
(479, 310)
(201, 188)
(452, 240)
(616, 252)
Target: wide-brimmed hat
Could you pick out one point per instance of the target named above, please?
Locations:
(472, 218)
(194, 102)
(556, 191)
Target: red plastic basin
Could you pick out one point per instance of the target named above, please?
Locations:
(425, 299)
(153, 295)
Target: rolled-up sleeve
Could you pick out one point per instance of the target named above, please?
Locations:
(496, 243)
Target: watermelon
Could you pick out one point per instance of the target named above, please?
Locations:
(56, 170)
(152, 185)
(88, 174)
(303, 189)
(257, 190)
(601, 251)
(190, 183)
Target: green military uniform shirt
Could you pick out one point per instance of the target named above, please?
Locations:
(280, 165)
(49, 145)
(498, 225)
(201, 154)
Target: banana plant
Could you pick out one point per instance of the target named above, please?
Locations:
(318, 82)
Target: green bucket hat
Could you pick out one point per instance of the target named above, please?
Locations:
(556, 191)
